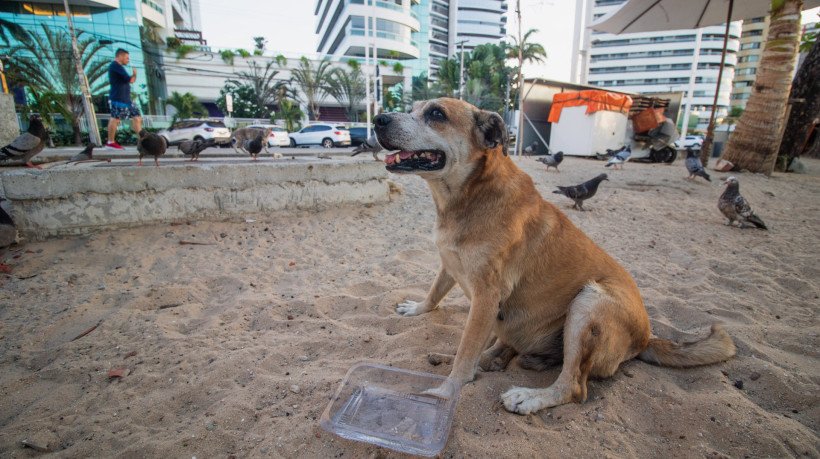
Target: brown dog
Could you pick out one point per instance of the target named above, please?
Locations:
(534, 280)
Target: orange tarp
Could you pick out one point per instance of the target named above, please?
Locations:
(595, 100)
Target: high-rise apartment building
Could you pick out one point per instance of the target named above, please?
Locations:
(752, 41)
(115, 24)
(687, 61)
(423, 32)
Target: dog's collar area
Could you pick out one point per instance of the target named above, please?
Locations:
(408, 161)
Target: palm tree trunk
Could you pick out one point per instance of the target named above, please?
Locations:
(755, 142)
(805, 112)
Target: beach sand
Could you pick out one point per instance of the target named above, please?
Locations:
(233, 348)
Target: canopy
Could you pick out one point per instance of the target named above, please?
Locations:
(594, 99)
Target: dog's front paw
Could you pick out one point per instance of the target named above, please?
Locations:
(411, 308)
(521, 400)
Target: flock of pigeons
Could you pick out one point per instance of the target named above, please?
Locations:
(733, 206)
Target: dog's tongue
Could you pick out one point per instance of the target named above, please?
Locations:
(390, 159)
(405, 154)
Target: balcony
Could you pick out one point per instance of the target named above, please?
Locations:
(153, 13)
(190, 37)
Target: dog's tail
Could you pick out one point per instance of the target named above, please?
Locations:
(716, 347)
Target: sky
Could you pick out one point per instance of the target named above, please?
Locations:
(290, 28)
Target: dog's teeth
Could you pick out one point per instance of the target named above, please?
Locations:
(398, 160)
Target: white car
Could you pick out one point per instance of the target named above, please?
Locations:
(278, 136)
(197, 130)
(326, 135)
(693, 141)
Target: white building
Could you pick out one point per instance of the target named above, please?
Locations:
(685, 61)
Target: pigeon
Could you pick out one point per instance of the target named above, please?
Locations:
(28, 144)
(194, 147)
(620, 158)
(694, 166)
(552, 160)
(372, 145)
(531, 149)
(8, 232)
(253, 146)
(86, 155)
(149, 144)
(734, 206)
(579, 193)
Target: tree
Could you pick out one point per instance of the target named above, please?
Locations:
(45, 64)
(244, 100)
(805, 111)
(754, 143)
(347, 87)
(266, 88)
(15, 30)
(312, 83)
(449, 76)
(187, 105)
(259, 44)
(289, 111)
(423, 89)
(523, 51)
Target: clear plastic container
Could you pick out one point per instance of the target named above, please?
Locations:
(389, 407)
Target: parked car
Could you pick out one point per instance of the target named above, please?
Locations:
(278, 136)
(358, 135)
(326, 135)
(694, 141)
(196, 130)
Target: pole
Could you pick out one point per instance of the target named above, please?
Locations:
(91, 117)
(691, 90)
(367, 71)
(461, 73)
(519, 134)
(706, 148)
(377, 89)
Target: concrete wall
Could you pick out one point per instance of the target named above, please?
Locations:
(72, 200)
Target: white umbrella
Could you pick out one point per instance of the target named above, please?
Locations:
(656, 15)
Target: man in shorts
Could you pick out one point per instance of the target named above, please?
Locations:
(119, 98)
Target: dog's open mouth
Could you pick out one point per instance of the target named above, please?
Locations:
(424, 160)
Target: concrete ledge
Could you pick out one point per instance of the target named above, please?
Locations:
(78, 199)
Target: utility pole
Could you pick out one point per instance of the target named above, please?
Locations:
(461, 72)
(367, 71)
(91, 117)
(520, 130)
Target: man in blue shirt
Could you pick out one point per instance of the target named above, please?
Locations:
(120, 98)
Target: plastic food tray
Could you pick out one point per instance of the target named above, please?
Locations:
(389, 407)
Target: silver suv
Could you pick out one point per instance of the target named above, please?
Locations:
(326, 135)
(196, 130)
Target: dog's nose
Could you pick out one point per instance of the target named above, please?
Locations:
(382, 120)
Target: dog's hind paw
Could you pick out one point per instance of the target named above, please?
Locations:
(411, 308)
(436, 359)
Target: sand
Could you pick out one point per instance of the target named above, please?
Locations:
(233, 348)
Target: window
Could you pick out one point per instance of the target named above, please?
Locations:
(755, 45)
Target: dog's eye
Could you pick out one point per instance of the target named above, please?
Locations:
(436, 115)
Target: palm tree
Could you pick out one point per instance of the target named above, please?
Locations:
(423, 89)
(44, 63)
(46, 105)
(312, 83)
(187, 105)
(805, 93)
(523, 51)
(17, 32)
(347, 87)
(289, 111)
(754, 143)
(264, 84)
(449, 76)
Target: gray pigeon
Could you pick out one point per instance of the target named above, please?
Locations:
(86, 155)
(734, 206)
(193, 148)
(254, 147)
(694, 166)
(8, 232)
(620, 158)
(531, 149)
(372, 145)
(28, 144)
(552, 160)
(579, 193)
(149, 144)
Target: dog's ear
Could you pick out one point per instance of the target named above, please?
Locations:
(492, 129)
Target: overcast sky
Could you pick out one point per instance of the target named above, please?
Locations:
(290, 28)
